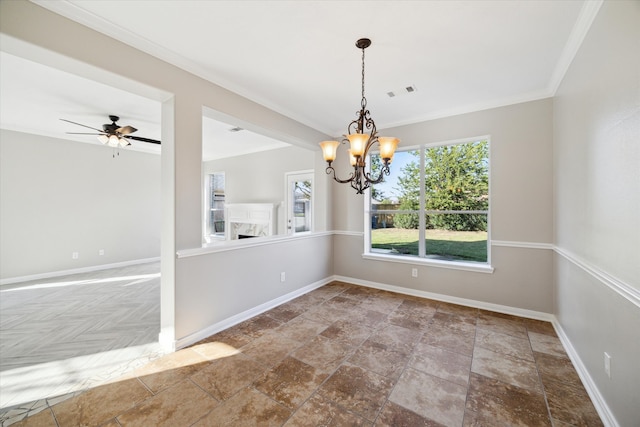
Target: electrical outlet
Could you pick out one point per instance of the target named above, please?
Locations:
(414, 272)
(75, 255)
(101, 252)
(283, 276)
(607, 364)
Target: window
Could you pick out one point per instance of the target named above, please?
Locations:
(215, 205)
(435, 204)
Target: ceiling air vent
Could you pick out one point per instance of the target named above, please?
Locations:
(404, 91)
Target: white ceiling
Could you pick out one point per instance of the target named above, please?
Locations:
(35, 97)
(299, 58)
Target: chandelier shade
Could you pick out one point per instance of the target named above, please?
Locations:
(388, 145)
(329, 150)
(360, 143)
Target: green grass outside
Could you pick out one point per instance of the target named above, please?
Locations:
(442, 244)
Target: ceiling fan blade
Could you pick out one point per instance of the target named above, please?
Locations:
(83, 133)
(126, 130)
(80, 124)
(139, 138)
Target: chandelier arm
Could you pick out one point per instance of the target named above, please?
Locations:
(363, 121)
(385, 171)
(330, 170)
(372, 140)
(360, 184)
(357, 185)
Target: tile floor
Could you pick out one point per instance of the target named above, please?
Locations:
(65, 334)
(344, 355)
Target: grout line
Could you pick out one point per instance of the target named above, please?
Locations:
(53, 414)
(544, 391)
(473, 352)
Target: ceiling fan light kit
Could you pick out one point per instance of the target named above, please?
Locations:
(113, 141)
(360, 144)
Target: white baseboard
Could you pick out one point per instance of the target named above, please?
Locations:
(59, 273)
(166, 339)
(530, 314)
(596, 397)
(193, 338)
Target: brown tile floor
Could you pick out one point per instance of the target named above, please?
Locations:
(344, 355)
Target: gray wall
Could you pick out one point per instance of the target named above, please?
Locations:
(520, 210)
(59, 196)
(597, 205)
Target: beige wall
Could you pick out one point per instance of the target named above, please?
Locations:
(521, 211)
(597, 206)
(59, 197)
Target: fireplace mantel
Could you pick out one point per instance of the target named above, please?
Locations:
(250, 219)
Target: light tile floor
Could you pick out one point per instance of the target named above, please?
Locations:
(62, 335)
(344, 355)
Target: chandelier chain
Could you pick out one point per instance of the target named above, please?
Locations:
(364, 100)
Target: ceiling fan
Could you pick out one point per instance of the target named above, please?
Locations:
(113, 134)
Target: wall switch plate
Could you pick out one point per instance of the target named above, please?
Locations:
(75, 255)
(101, 252)
(414, 272)
(607, 364)
(283, 276)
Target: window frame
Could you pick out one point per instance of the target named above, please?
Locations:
(289, 177)
(208, 228)
(420, 259)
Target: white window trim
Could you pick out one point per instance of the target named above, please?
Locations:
(208, 235)
(485, 267)
(452, 265)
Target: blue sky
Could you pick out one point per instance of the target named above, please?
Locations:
(400, 159)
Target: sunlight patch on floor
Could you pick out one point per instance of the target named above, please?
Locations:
(137, 279)
(46, 380)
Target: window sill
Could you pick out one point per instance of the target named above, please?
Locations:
(453, 265)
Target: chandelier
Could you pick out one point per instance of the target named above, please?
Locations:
(360, 144)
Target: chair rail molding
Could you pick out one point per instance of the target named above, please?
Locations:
(620, 287)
